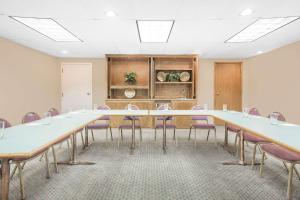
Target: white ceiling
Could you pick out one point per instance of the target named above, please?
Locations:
(201, 26)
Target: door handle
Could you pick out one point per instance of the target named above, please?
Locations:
(88, 93)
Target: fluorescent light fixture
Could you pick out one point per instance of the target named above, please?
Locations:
(49, 28)
(64, 52)
(260, 28)
(110, 13)
(246, 12)
(154, 31)
(259, 52)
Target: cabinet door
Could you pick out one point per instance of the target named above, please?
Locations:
(183, 122)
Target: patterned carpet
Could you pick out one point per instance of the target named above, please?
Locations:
(184, 172)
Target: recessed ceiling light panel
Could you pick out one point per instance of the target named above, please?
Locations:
(154, 31)
(49, 28)
(111, 13)
(260, 28)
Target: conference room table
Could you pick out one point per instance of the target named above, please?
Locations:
(26, 141)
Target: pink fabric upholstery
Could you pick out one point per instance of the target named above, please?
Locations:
(168, 126)
(53, 112)
(98, 126)
(252, 138)
(6, 123)
(128, 126)
(280, 116)
(280, 152)
(204, 126)
(254, 111)
(104, 107)
(233, 128)
(30, 117)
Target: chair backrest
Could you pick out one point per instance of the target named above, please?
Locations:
(30, 117)
(164, 106)
(280, 116)
(254, 111)
(53, 112)
(104, 107)
(6, 123)
(132, 107)
(200, 117)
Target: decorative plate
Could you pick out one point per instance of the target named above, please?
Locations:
(184, 76)
(161, 76)
(129, 93)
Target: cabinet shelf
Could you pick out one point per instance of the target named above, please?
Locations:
(145, 87)
(189, 82)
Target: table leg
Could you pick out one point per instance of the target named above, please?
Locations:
(164, 135)
(132, 147)
(5, 169)
(226, 136)
(73, 160)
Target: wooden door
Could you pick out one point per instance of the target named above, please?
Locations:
(228, 86)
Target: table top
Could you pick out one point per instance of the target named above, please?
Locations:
(26, 139)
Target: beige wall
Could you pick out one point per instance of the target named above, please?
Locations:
(273, 80)
(29, 81)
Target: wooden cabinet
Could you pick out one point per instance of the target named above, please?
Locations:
(181, 94)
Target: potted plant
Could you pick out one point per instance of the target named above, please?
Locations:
(173, 76)
(130, 77)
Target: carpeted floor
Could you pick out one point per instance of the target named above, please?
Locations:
(184, 172)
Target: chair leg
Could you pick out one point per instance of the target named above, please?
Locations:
(155, 133)
(82, 139)
(235, 145)
(141, 135)
(290, 181)
(215, 134)
(119, 135)
(111, 136)
(69, 149)
(176, 139)
(54, 160)
(207, 134)
(195, 137)
(174, 134)
(262, 164)
(106, 136)
(297, 173)
(253, 157)
(285, 166)
(190, 133)
(20, 170)
(122, 134)
(47, 165)
(41, 158)
(93, 135)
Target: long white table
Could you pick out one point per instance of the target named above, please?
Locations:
(28, 140)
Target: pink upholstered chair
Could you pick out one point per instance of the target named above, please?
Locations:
(129, 126)
(6, 123)
(201, 122)
(256, 140)
(30, 117)
(105, 124)
(170, 125)
(283, 154)
(53, 112)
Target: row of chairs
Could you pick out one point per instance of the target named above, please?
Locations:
(277, 151)
(199, 122)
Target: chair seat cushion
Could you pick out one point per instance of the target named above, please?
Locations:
(253, 138)
(173, 126)
(130, 118)
(104, 118)
(280, 152)
(204, 126)
(98, 126)
(128, 126)
(233, 128)
(165, 118)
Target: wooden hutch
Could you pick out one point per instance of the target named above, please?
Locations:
(149, 91)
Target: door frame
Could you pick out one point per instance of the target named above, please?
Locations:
(61, 78)
(242, 86)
